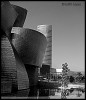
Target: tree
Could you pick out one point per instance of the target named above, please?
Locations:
(83, 78)
(71, 79)
(65, 68)
(64, 79)
(65, 74)
(79, 76)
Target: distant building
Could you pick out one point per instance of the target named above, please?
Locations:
(59, 71)
(52, 70)
(53, 74)
(44, 70)
(47, 31)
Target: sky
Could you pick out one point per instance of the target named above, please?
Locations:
(68, 29)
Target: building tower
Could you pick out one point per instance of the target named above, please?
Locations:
(47, 31)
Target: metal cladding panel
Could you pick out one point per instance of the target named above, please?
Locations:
(30, 45)
(47, 31)
(8, 66)
(8, 16)
(22, 76)
(22, 12)
(13, 72)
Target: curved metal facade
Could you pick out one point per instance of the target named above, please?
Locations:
(30, 45)
(22, 76)
(8, 16)
(21, 53)
(22, 12)
(8, 66)
(13, 72)
(47, 31)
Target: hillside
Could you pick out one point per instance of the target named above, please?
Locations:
(74, 73)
